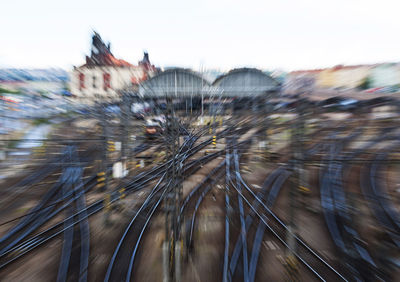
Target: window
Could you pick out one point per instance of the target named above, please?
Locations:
(106, 81)
(134, 80)
(81, 81)
(94, 81)
(95, 50)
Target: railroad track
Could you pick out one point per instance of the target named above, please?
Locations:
(44, 211)
(50, 201)
(50, 206)
(123, 258)
(76, 238)
(12, 253)
(376, 196)
(118, 268)
(268, 193)
(358, 261)
(310, 258)
(203, 188)
(251, 208)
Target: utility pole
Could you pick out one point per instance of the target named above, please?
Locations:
(265, 133)
(298, 158)
(303, 172)
(267, 124)
(102, 176)
(172, 246)
(125, 116)
(104, 125)
(202, 97)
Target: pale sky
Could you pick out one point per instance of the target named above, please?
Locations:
(222, 34)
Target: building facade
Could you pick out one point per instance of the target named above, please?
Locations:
(359, 77)
(103, 76)
(350, 77)
(326, 78)
(300, 81)
(387, 74)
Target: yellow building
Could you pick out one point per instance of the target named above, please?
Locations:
(343, 76)
(351, 76)
(326, 78)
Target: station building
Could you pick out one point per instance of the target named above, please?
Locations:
(102, 77)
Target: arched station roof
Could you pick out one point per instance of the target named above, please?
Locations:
(245, 82)
(174, 82)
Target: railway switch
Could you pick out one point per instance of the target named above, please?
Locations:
(304, 190)
(110, 146)
(107, 202)
(122, 193)
(100, 179)
(214, 141)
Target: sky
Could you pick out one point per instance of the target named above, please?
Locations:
(213, 34)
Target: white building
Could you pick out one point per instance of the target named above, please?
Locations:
(103, 76)
(103, 82)
(385, 75)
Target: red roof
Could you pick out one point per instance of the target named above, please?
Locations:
(117, 62)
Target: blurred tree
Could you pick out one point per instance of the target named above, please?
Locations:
(66, 86)
(365, 84)
(9, 91)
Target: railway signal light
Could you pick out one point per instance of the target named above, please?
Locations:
(140, 163)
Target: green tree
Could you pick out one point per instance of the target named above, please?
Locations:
(365, 84)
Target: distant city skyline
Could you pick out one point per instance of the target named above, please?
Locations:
(287, 35)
